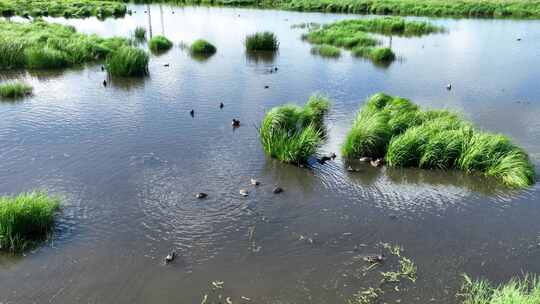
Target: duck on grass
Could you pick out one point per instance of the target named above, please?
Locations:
(406, 136)
(26, 219)
(292, 133)
(15, 89)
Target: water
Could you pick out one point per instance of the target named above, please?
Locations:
(127, 160)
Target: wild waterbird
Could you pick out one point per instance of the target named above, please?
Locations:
(201, 195)
(235, 123)
(170, 257)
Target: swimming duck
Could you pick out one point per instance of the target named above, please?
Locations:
(192, 113)
(449, 87)
(166, 65)
(351, 169)
(244, 192)
(102, 68)
(376, 258)
(266, 87)
(365, 159)
(104, 83)
(201, 195)
(255, 182)
(277, 189)
(221, 105)
(170, 257)
(235, 122)
(377, 163)
(275, 69)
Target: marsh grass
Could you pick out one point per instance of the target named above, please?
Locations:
(15, 89)
(291, 133)
(202, 47)
(128, 61)
(516, 291)
(326, 50)
(25, 219)
(159, 44)
(406, 136)
(140, 33)
(42, 45)
(63, 8)
(264, 41)
(375, 54)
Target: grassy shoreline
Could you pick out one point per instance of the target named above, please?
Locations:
(63, 8)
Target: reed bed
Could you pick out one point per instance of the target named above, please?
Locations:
(159, 44)
(15, 89)
(264, 41)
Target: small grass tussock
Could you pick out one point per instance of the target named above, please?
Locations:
(159, 43)
(292, 133)
(128, 61)
(25, 219)
(375, 54)
(139, 33)
(202, 47)
(406, 136)
(326, 50)
(264, 41)
(15, 89)
(516, 291)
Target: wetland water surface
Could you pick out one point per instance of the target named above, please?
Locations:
(127, 160)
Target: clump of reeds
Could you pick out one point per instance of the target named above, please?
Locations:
(128, 61)
(15, 89)
(326, 50)
(292, 133)
(159, 44)
(376, 54)
(25, 219)
(140, 33)
(265, 41)
(406, 136)
(202, 47)
(516, 291)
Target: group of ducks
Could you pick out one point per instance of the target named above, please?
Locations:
(377, 162)
(235, 122)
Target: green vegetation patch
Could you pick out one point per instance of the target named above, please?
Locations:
(264, 41)
(15, 89)
(25, 219)
(406, 136)
(63, 8)
(292, 133)
(159, 44)
(202, 47)
(128, 61)
(140, 33)
(517, 291)
(326, 50)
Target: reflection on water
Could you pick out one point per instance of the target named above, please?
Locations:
(128, 158)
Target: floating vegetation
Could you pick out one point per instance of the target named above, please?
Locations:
(25, 219)
(265, 41)
(517, 291)
(63, 8)
(128, 61)
(158, 44)
(15, 89)
(42, 45)
(202, 47)
(140, 33)
(406, 136)
(291, 133)
(365, 296)
(326, 50)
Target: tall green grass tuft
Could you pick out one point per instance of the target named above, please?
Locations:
(128, 61)
(202, 47)
(406, 136)
(291, 133)
(265, 41)
(15, 89)
(140, 33)
(516, 291)
(25, 219)
(159, 44)
(326, 50)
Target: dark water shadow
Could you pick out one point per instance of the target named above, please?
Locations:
(127, 83)
(201, 57)
(256, 57)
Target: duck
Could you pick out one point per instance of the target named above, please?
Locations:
(377, 163)
(170, 257)
(449, 86)
(192, 113)
(266, 87)
(104, 83)
(201, 195)
(277, 189)
(275, 69)
(519, 39)
(243, 192)
(351, 169)
(102, 68)
(221, 105)
(255, 182)
(235, 122)
(376, 258)
(365, 159)
(166, 65)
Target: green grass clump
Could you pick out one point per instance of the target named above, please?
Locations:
(265, 41)
(25, 219)
(406, 136)
(202, 47)
(516, 291)
(63, 8)
(291, 133)
(128, 61)
(375, 54)
(42, 45)
(140, 33)
(15, 89)
(159, 44)
(326, 50)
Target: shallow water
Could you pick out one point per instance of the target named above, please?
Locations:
(127, 159)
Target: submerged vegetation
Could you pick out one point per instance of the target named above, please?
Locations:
(159, 44)
(15, 89)
(354, 35)
(63, 8)
(42, 45)
(25, 219)
(406, 136)
(202, 47)
(292, 133)
(265, 41)
(517, 291)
